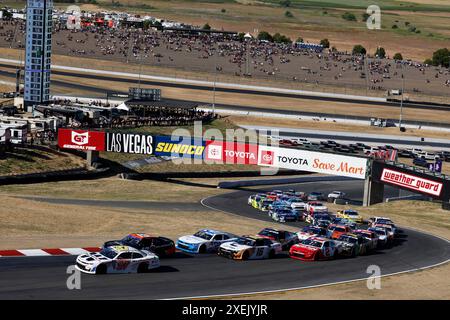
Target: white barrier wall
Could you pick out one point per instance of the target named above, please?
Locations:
(304, 160)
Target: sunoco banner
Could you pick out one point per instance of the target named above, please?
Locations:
(311, 161)
(182, 147)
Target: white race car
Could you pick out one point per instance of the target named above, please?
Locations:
(117, 259)
(315, 206)
(204, 241)
(247, 247)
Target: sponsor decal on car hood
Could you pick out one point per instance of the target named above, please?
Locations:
(192, 239)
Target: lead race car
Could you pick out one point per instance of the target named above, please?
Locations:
(204, 241)
(250, 247)
(117, 259)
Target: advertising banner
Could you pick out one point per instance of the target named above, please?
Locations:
(412, 182)
(231, 152)
(311, 161)
(129, 143)
(81, 140)
(182, 147)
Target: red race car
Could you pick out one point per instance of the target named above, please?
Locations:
(314, 248)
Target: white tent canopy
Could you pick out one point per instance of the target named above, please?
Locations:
(123, 106)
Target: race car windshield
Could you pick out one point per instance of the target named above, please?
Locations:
(269, 233)
(380, 232)
(203, 235)
(339, 229)
(348, 239)
(245, 241)
(131, 241)
(312, 243)
(109, 253)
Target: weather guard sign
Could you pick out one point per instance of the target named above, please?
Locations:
(411, 182)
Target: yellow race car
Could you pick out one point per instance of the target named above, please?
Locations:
(351, 215)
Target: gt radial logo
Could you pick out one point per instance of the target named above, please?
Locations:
(267, 157)
(214, 152)
(80, 138)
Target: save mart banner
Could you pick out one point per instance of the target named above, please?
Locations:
(319, 162)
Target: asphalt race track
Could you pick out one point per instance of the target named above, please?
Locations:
(187, 276)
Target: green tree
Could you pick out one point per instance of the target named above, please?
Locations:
(288, 14)
(365, 16)
(380, 52)
(441, 57)
(264, 35)
(146, 24)
(281, 38)
(206, 26)
(299, 39)
(349, 16)
(285, 3)
(359, 49)
(325, 43)
(398, 56)
(241, 36)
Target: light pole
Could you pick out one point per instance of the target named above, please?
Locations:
(401, 101)
(140, 70)
(215, 80)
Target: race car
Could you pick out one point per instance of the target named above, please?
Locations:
(369, 235)
(381, 220)
(314, 248)
(336, 195)
(352, 245)
(351, 215)
(383, 236)
(336, 230)
(257, 199)
(314, 207)
(345, 222)
(264, 205)
(300, 205)
(313, 218)
(117, 259)
(310, 231)
(158, 245)
(316, 196)
(286, 238)
(389, 229)
(204, 241)
(283, 215)
(247, 247)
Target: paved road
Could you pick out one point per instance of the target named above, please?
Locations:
(187, 276)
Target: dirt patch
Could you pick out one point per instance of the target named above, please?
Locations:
(27, 224)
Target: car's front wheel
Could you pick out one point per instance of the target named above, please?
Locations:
(143, 267)
(245, 255)
(202, 249)
(101, 269)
